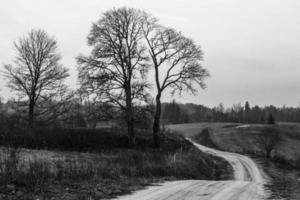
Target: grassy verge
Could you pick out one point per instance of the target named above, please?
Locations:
(284, 182)
(96, 164)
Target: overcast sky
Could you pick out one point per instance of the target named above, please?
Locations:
(251, 47)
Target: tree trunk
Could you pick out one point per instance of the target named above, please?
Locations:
(129, 116)
(130, 128)
(31, 114)
(268, 152)
(156, 123)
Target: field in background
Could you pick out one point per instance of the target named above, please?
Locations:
(192, 129)
(242, 138)
(284, 165)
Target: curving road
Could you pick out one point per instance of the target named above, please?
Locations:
(248, 183)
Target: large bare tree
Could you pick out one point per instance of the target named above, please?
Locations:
(176, 63)
(115, 70)
(36, 74)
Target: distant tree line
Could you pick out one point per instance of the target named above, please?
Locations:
(174, 113)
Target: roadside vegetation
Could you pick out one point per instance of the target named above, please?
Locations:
(97, 163)
(284, 182)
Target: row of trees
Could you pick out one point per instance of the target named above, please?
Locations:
(125, 45)
(187, 113)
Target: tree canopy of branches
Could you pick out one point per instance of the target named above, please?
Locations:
(176, 63)
(115, 70)
(36, 74)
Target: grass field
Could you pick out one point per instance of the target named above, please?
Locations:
(284, 165)
(244, 138)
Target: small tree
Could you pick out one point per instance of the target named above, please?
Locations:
(176, 63)
(36, 74)
(247, 112)
(268, 139)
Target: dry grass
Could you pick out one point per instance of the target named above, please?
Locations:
(104, 172)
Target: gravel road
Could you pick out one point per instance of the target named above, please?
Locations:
(247, 184)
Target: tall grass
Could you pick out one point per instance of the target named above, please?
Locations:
(111, 166)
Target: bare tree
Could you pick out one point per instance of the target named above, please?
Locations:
(268, 139)
(176, 62)
(115, 70)
(36, 74)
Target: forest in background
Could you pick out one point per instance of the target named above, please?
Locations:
(76, 114)
(176, 113)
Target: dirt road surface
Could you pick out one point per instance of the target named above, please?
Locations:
(248, 183)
